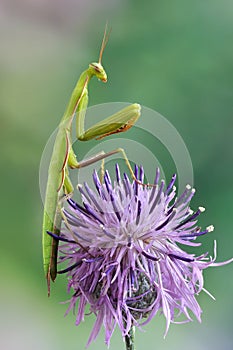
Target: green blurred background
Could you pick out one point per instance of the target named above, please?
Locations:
(173, 56)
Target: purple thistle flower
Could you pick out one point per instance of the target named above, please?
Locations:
(124, 256)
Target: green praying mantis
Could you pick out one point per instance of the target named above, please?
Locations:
(63, 157)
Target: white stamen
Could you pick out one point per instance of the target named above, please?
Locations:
(202, 209)
(210, 228)
(188, 187)
(174, 188)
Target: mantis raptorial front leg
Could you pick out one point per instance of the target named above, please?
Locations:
(64, 157)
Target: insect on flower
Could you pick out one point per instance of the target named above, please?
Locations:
(63, 156)
(124, 255)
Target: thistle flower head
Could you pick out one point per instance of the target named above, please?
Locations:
(123, 247)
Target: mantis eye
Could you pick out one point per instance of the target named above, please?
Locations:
(96, 68)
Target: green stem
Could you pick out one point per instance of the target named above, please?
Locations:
(129, 339)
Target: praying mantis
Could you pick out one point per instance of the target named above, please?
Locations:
(63, 156)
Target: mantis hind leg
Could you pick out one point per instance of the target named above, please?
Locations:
(52, 269)
(102, 171)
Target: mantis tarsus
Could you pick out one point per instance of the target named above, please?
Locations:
(64, 157)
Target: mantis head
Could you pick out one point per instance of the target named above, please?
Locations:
(98, 70)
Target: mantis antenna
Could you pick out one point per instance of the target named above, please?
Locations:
(104, 41)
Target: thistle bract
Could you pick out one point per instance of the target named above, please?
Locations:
(124, 249)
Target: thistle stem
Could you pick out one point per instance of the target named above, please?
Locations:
(129, 339)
